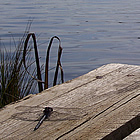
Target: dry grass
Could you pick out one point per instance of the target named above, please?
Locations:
(15, 81)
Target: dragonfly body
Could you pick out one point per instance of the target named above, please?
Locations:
(47, 112)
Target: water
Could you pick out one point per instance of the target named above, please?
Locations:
(93, 32)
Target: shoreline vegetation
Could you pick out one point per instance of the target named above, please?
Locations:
(17, 77)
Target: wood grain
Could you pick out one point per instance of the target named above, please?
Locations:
(108, 96)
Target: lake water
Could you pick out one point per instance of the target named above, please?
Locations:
(93, 32)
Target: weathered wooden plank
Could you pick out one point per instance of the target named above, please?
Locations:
(107, 98)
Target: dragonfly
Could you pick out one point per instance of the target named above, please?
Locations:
(46, 114)
(35, 113)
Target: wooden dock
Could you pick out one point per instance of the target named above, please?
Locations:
(102, 104)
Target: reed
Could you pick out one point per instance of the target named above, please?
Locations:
(39, 76)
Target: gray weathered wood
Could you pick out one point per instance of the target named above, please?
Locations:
(134, 136)
(108, 99)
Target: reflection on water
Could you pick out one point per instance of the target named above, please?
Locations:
(93, 32)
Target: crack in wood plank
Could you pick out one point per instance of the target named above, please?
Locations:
(100, 114)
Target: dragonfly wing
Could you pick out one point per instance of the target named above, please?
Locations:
(56, 116)
(27, 116)
(32, 113)
(72, 111)
(28, 108)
